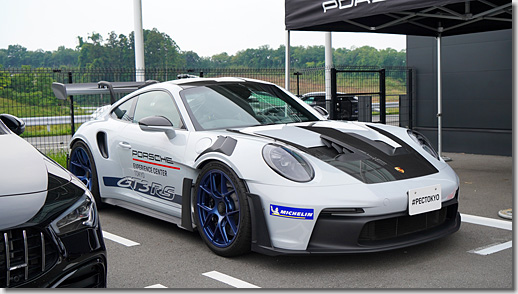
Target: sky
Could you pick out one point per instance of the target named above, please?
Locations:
(207, 27)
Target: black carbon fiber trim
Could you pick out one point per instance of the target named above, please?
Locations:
(367, 160)
(225, 145)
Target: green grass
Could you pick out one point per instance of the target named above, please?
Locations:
(26, 110)
(46, 131)
(389, 111)
(59, 157)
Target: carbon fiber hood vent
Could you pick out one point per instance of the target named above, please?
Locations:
(367, 160)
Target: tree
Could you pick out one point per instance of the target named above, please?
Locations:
(16, 55)
(3, 57)
(193, 60)
(63, 57)
(161, 51)
(220, 60)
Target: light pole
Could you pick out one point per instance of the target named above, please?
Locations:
(140, 68)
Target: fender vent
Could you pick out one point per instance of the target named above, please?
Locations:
(102, 144)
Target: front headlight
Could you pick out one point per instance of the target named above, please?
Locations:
(287, 163)
(423, 141)
(78, 216)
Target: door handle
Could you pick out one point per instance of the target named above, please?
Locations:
(125, 145)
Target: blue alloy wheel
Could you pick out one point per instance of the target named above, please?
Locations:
(221, 211)
(82, 165)
(218, 208)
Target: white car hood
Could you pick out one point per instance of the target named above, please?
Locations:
(352, 147)
(22, 168)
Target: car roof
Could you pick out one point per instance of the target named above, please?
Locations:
(193, 82)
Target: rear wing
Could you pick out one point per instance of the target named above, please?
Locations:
(63, 90)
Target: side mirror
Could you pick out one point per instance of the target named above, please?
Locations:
(157, 124)
(15, 124)
(322, 111)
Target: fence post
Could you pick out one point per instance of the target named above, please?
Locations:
(383, 100)
(72, 119)
(332, 108)
(298, 86)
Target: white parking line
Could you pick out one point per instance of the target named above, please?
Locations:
(492, 248)
(489, 222)
(119, 239)
(156, 286)
(229, 280)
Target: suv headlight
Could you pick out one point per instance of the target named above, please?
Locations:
(287, 163)
(423, 142)
(78, 216)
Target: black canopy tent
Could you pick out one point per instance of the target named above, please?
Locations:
(407, 17)
(437, 18)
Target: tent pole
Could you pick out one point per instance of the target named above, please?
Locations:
(329, 65)
(439, 99)
(287, 63)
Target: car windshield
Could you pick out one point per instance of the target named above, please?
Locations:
(230, 105)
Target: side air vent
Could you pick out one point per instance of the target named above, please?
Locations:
(102, 144)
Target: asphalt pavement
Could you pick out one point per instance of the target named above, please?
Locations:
(486, 183)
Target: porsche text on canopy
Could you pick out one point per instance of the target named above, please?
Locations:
(252, 167)
(407, 17)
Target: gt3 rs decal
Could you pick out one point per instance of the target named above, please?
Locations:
(142, 186)
(291, 212)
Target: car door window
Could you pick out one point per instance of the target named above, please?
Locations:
(310, 100)
(157, 103)
(123, 111)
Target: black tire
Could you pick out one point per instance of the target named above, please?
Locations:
(82, 165)
(221, 211)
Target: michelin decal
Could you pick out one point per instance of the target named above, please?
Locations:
(291, 212)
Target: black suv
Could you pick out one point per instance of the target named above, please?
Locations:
(347, 105)
(50, 234)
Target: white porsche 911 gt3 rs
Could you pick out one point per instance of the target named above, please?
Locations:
(252, 167)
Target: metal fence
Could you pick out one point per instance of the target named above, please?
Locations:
(27, 93)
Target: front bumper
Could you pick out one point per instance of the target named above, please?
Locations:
(354, 234)
(77, 260)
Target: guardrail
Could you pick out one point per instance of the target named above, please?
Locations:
(376, 106)
(55, 120)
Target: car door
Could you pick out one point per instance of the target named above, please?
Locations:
(151, 160)
(111, 175)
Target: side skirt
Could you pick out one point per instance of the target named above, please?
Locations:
(143, 210)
